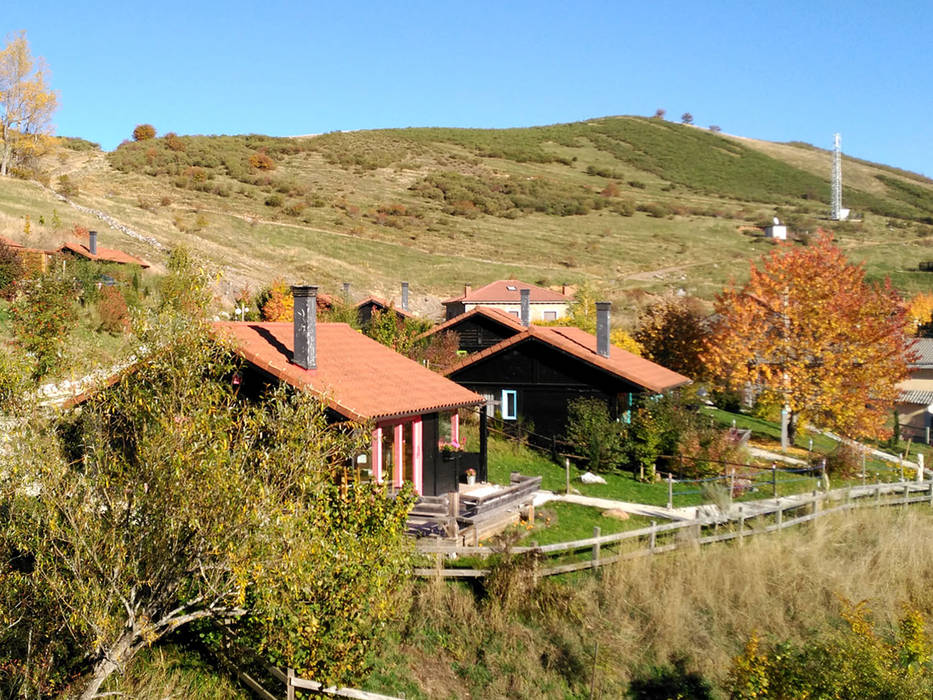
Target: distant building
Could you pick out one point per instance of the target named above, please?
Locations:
(915, 404)
(544, 304)
(776, 230)
(92, 251)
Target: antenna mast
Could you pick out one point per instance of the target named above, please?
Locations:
(836, 213)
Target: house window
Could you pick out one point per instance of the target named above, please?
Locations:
(550, 315)
(509, 404)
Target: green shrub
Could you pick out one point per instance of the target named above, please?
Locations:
(43, 315)
(594, 435)
(671, 681)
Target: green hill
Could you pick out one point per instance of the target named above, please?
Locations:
(632, 204)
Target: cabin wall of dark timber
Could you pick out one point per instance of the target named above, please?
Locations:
(545, 380)
(365, 312)
(453, 309)
(480, 332)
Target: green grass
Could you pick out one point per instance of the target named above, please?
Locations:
(564, 522)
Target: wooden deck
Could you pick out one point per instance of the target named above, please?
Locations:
(475, 511)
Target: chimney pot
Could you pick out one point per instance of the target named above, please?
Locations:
(92, 242)
(526, 307)
(305, 326)
(404, 296)
(602, 327)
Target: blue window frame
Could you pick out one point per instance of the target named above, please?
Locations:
(509, 404)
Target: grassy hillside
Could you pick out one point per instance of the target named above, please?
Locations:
(634, 205)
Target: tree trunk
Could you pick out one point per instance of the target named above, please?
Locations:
(115, 657)
(792, 428)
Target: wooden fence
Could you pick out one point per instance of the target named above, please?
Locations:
(658, 538)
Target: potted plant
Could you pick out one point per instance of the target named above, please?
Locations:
(450, 449)
(470, 476)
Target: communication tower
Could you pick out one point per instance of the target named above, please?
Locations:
(837, 211)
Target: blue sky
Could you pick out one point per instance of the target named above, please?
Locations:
(782, 71)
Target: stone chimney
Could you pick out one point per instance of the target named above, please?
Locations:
(404, 296)
(305, 355)
(526, 307)
(564, 290)
(602, 327)
(92, 242)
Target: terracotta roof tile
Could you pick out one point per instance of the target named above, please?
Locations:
(103, 254)
(582, 345)
(497, 315)
(508, 291)
(355, 375)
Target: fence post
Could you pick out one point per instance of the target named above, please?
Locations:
(567, 472)
(780, 516)
(906, 494)
(741, 524)
(654, 535)
(931, 493)
(670, 490)
(731, 484)
(595, 561)
(289, 688)
(919, 467)
(773, 480)
(877, 492)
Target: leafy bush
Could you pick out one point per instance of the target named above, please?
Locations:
(855, 662)
(11, 271)
(594, 434)
(43, 315)
(113, 311)
(67, 186)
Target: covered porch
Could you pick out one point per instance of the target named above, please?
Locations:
(427, 450)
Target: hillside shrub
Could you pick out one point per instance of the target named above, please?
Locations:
(671, 680)
(113, 311)
(144, 132)
(11, 271)
(43, 315)
(855, 662)
(67, 186)
(656, 210)
(261, 161)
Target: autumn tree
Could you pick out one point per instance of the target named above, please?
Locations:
(920, 314)
(686, 118)
(166, 500)
(144, 132)
(671, 332)
(808, 330)
(26, 102)
(581, 313)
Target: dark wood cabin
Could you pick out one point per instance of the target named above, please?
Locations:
(533, 375)
(480, 328)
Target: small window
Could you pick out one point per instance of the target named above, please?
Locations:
(511, 288)
(509, 404)
(550, 315)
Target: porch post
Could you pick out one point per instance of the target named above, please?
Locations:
(483, 436)
(398, 455)
(376, 455)
(455, 427)
(417, 467)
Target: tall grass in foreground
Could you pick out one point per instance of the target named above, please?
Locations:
(521, 638)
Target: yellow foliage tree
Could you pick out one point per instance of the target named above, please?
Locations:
(277, 303)
(920, 312)
(26, 102)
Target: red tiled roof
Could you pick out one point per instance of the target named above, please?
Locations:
(357, 377)
(383, 304)
(103, 254)
(508, 291)
(9, 242)
(582, 345)
(497, 315)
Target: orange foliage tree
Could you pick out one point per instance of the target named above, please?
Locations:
(672, 332)
(810, 331)
(277, 303)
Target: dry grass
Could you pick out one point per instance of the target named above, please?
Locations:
(702, 603)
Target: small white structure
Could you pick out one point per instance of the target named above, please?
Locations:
(777, 230)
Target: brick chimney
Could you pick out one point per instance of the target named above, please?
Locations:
(404, 296)
(92, 242)
(602, 327)
(467, 289)
(305, 325)
(526, 307)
